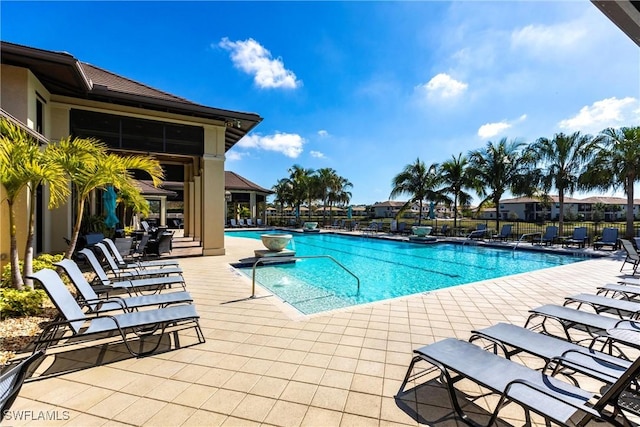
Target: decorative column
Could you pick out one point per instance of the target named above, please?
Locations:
(213, 192)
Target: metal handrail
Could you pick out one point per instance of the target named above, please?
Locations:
(293, 258)
(526, 235)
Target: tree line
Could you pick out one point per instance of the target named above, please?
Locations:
(306, 185)
(565, 163)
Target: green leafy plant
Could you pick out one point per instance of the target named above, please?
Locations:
(42, 261)
(26, 302)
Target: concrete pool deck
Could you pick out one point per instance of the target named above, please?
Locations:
(264, 364)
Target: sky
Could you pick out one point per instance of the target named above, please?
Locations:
(364, 88)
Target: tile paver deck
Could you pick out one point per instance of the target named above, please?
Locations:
(263, 364)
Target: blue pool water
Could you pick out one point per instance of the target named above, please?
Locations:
(386, 269)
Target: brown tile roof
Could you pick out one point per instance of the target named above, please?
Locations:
(390, 203)
(147, 189)
(122, 84)
(233, 181)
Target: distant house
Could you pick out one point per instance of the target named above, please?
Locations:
(532, 209)
(388, 209)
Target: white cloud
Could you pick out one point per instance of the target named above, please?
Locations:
(443, 86)
(288, 144)
(323, 133)
(543, 39)
(253, 58)
(317, 154)
(233, 156)
(489, 130)
(610, 112)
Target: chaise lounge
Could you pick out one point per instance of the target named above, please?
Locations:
(76, 326)
(553, 399)
(609, 238)
(90, 299)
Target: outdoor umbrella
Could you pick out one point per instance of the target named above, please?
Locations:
(432, 210)
(109, 199)
(349, 212)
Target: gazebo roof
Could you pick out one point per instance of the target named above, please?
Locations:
(235, 182)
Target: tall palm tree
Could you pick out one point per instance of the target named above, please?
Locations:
(327, 178)
(419, 182)
(500, 167)
(615, 164)
(23, 165)
(302, 186)
(456, 178)
(562, 160)
(339, 193)
(283, 194)
(91, 167)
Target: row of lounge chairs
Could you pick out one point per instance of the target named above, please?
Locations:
(544, 391)
(245, 223)
(135, 303)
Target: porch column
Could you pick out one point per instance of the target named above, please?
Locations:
(197, 207)
(163, 210)
(213, 199)
(252, 205)
(187, 197)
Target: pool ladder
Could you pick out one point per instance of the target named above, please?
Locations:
(284, 259)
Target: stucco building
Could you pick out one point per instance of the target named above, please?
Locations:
(56, 95)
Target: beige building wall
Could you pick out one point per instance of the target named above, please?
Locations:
(18, 98)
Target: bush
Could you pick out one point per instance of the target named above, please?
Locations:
(43, 261)
(14, 303)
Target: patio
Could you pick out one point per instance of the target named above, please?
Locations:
(265, 364)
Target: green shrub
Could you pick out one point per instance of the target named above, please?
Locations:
(42, 261)
(14, 303)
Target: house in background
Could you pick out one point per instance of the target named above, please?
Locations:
(532, 209)
(56, 95)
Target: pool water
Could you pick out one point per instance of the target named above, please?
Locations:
(386, 268)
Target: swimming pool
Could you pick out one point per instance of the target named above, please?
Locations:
(386, 268)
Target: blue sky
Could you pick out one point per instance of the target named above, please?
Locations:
(361, 87)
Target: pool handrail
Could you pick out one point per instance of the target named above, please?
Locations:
(538, 233)
(294, 258)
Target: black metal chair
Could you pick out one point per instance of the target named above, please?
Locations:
(11, 381)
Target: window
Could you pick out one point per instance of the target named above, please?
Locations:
(129, 133)
(39, 116)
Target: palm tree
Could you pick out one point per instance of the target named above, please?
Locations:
(45, 170)
(302, 186)
(91, 167)
(616, 163)
(455, 176)
(23, 165)
(283, 194)
(327, 179)
(339, 193)
(562, 158)
(500, 167)
(419, 182)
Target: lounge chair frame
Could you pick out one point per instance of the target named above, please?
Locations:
(88, 297)
(83, 328)
(632, 257)
(609, 238)
(11, 381)
(578, 238)
(545, 395)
